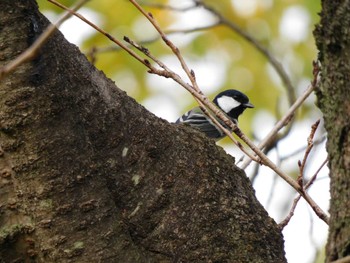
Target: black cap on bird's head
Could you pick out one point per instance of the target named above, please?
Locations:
(232, 102)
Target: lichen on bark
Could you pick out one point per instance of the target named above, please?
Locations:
(333, 41)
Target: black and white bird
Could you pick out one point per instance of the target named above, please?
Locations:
(232, 102)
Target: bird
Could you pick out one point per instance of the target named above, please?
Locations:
(232, 102)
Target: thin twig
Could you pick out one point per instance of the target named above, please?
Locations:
(274, 181)
(302, 149)
(275, 64)
(272, 60)
(271, 192)
(284, 158)
(168, 7)
(309, 147)
(221, 20)
(98, 50)
(191, 30)
(176, 51)
(310, 144)
(281, 123)
(224, 21)
(192, 77)
(116, 41)
(32, 51)
(284, 121)
(296, 200)
(266, 161)
(190, 89)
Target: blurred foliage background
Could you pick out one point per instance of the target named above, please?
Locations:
(221, 59)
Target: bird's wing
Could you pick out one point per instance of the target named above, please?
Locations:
(200, 121)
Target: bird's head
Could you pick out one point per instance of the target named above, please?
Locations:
(232, 102)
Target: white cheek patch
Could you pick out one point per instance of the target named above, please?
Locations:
(227, 103)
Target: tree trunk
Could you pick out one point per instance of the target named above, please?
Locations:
(333, 41)
(88, 175)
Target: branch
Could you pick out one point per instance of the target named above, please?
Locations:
(204, 102)
(275, 64)
(98, 50)
(273, 61)
(302, 149)
(309, 147)
(173, 75)
(110, 37)
(191, 75)
(296, 200)
(290, 113)
(166, 72)
(168, 7)
(176, 51)
(283, 122)
(264, 159)
(223, 21)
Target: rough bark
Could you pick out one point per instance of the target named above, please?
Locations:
(333, 41)
(88, 175)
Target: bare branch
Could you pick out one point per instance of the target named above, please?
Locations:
(289, 114)
(204, 102)
(191, 30)
(98, 50)
(192, 77)
(223, 21)
(302, 149)
(190, 89)
(296, 200)
(175, 50)
(168, 7)
(131, 52)
(309, 147)
(275, 64)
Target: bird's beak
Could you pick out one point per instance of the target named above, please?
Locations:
(248, 105)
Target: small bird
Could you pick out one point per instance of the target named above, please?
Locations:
(232, 102)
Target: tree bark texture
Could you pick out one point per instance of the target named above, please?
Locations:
(333, 41)
(89, 175)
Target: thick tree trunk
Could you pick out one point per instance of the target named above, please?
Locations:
(333, 41)
(88, 175)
